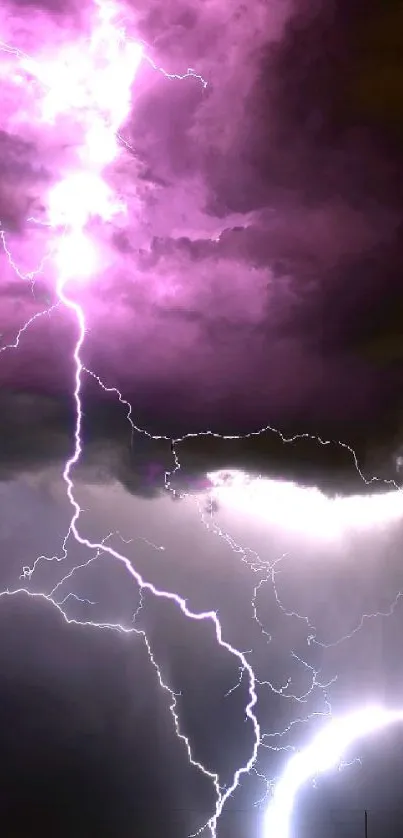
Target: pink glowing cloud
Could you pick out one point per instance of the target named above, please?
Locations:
(210, 272)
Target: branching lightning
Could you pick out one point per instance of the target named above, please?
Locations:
(94, 81)
(106, 97)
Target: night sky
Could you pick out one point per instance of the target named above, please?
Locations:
(248, 307)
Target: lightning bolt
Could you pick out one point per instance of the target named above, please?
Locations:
(323, 753)
(106, 97)
(93, 81)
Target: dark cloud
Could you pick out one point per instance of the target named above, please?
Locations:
(261, 279)
(38, 432)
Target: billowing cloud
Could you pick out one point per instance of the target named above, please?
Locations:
(256, 273)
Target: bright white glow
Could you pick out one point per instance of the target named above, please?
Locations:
(88, 82)
(101, 145)
(303, 510)
(323, 753)
(76, 256)
(79, 197)
(93, 76)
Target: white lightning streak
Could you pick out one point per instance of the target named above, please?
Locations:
(323, 753)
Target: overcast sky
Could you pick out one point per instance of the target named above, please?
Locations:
(248, 308)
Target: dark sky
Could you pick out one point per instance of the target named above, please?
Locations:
(249, 309)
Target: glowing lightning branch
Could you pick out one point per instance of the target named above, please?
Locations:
(144, 586)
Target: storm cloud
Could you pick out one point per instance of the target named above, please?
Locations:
(262, 233)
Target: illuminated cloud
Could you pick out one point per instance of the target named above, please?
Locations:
(303, 510)
(242, 227)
